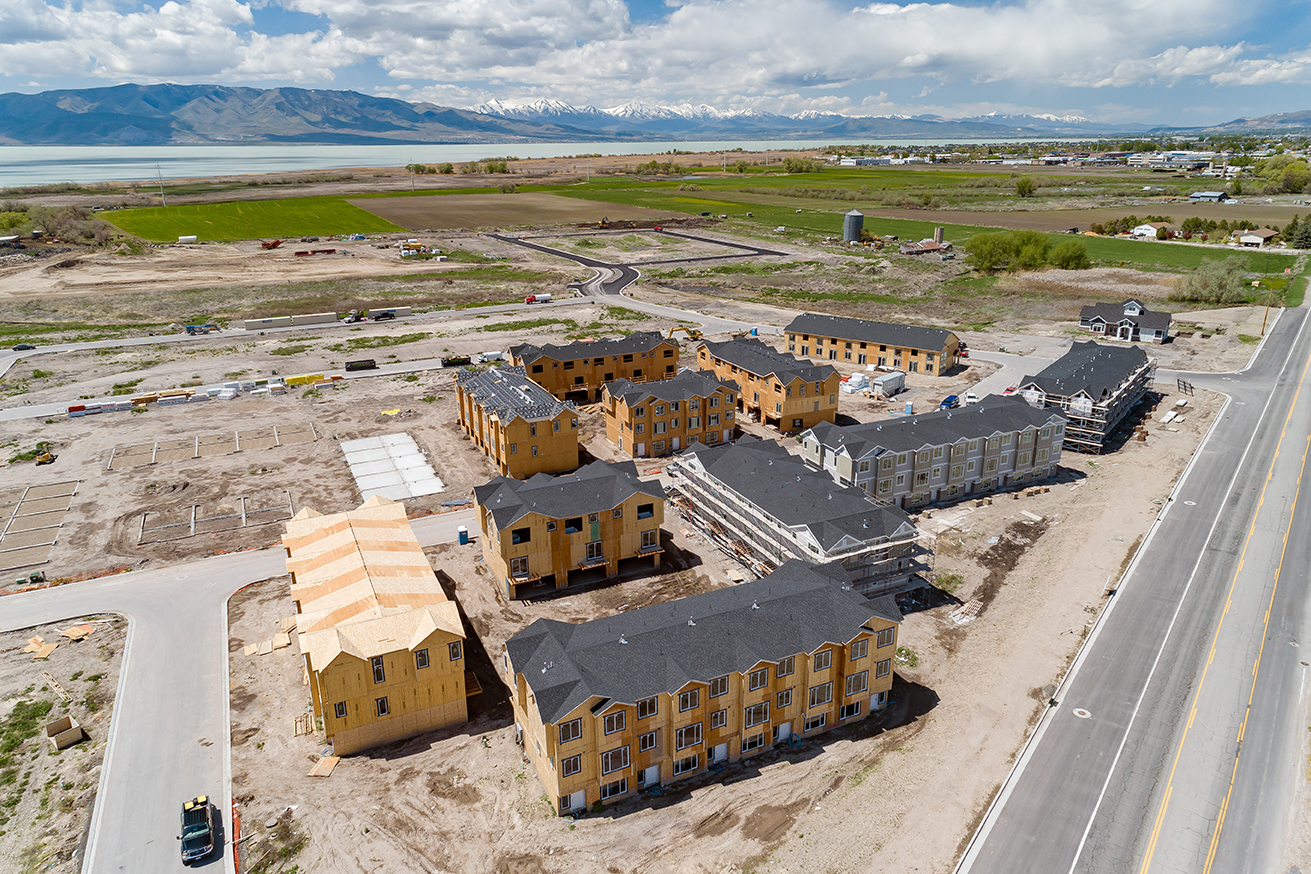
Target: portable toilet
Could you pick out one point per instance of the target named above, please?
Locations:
(463, 533)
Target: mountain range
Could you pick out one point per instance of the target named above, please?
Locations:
(216, 114)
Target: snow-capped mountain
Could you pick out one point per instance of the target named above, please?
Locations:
(702, 121)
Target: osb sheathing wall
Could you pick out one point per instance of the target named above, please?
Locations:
(561, 377)
(559, 552)
(364, 589)
(541, 740)
(513, 447)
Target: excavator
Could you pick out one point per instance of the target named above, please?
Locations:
(44, 456)
(692, 333)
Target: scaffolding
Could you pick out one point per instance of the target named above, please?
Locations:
(1090, 424)
(762, 543)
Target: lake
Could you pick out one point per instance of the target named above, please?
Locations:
(44, 165)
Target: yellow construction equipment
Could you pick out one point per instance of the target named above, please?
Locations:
(44, 457)
(692, 333)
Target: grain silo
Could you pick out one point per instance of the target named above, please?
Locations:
(852, 224)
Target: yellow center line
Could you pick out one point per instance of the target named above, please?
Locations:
(1165, 799)
(1256, 667)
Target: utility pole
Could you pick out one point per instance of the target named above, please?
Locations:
(410, 167)
(160, 176)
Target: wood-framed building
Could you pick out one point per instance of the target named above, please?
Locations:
(520, 426)
(658, 694)
(547, 532)
(911, 348)
(1096, 386)
(383, 646)
(775, 388)
(578, 371)
(947, 455)
(659, 418)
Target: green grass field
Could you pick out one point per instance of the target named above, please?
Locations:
(250, 219)
(814, 220)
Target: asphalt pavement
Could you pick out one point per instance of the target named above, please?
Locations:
(169, 734)
(1137, 766)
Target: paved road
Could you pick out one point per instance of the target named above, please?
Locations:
(1138, 768)
(169, 737)
(613, 279)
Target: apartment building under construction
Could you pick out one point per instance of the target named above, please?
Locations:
(767, 506)
(1096, 386)
(383, 645)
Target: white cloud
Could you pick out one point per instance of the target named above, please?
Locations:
(780, 55)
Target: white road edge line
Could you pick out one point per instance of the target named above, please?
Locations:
(1026, 753)
(93, 828)
(230, 846)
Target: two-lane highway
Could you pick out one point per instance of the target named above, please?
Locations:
(1172, 746)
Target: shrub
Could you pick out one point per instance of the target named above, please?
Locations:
(1012, 250)
(1213, 282)
(1070, 255)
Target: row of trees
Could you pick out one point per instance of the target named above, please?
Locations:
(422, 169)
(658, 168)
(1126, 224)
(1024, 250)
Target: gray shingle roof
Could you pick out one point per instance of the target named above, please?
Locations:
(509, 394)
(761, 359)
(599, 487)
(641, 341)
(991, 415)
(1113, 314)
(688, 384)
(1090, 367)
(905, 336)
(797, 609)
(784, 486)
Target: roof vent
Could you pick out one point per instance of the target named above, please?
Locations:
(623, 639)
(546, 666)
(755, 606)
(690, 623)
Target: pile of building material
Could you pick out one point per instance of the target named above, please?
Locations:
(392, 466)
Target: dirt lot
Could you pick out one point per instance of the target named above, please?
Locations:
(48, 795)
(497, 210)
(103, 527)
(910, 784)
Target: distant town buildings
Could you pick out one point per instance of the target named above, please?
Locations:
(658, 418)
(859, 341)
(383, 646)
(776, 388)
(947, 455)
(1126, 321)
(657, 694)
(1096, 386)
(520, 426)
(577, 371)
(536, 534)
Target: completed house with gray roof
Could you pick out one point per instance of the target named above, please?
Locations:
(767, 506)
(1126, 321)
(609, 707)
(946, 455)
(859, 341)
(1096, 386)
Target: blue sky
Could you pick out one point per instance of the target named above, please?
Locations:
(1143, 61)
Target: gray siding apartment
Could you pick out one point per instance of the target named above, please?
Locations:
(941, 456)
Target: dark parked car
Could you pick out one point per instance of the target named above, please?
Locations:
(24, 347)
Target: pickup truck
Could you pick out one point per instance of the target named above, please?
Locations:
(197, 829)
